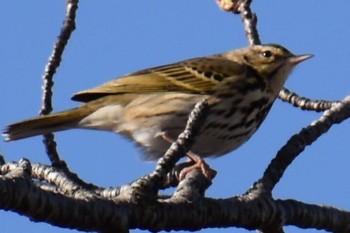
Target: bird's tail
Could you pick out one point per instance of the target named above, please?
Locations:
(44, 124)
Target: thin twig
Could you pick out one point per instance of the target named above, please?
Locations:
(297, 143)
(50, 69)
(250, 20)
(305, 103)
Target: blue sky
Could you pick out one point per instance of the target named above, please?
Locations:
(119, 37)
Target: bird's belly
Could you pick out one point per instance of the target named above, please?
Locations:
(144, 121)
(208, 143)
(228, 124)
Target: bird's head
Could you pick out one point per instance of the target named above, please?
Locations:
(272, 62)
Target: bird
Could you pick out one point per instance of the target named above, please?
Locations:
(151, 106)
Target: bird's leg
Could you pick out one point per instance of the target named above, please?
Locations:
(199, 163)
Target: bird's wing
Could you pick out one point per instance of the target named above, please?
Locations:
(199, 75)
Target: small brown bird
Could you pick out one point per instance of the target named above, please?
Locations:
(151, 106)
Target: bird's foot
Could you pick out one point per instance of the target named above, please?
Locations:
(199, 163)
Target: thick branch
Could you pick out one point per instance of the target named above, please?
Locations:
(21, 195)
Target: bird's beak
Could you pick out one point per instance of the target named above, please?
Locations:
(299, 58)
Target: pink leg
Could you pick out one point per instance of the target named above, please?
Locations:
(199, 163)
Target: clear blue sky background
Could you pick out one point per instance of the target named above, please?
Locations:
(117, 37)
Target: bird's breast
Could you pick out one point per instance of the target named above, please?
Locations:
(231, 121)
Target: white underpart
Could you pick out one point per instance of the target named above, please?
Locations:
(149, 137)
(105, 118)
(144, 137)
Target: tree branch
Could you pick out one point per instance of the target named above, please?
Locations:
(50, 69)
(297, 143)
(305, 103)
(20, 194)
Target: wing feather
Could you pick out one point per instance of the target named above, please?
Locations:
(200, 75)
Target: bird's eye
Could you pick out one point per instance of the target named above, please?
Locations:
(267, 54)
